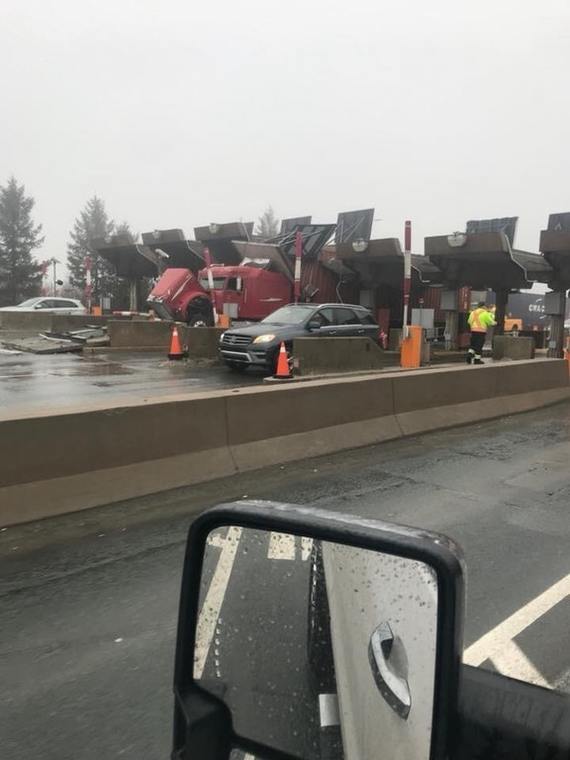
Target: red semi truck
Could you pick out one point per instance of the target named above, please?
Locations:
(248, 291)
(241, 292)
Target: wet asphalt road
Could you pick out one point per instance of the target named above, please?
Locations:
(30, 381)
(89, 601)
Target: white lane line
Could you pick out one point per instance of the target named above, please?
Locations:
(512, 661)
(306, 548)
(328, 710)
(281, 546)
(210, 612)
(497, 640)
(217, 540)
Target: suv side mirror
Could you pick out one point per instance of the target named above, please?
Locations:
(303, 632)
(314, 324)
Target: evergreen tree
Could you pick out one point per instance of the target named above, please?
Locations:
(111, 285)
(20, 275)
(91, 223)
(268, 224)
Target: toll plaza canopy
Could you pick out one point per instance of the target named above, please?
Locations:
(485, 260)
(382, 263)
(218, 238)
(555, 245)
(269, 255)
(130, 260)
(173, 250)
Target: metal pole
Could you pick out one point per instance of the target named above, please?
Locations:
(54, 265)
(298, 256)
(208, 260)
(407, 274)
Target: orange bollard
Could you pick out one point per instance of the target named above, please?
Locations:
(283, 370)
(176, 351)
(411, 348)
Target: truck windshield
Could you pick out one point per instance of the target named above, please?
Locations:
(289, 315)
(219, 283)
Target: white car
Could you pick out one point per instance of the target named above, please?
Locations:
(48, 305)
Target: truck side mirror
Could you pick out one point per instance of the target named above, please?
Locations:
(303, 632)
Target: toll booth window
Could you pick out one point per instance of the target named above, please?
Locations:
(219, 283)
(346, 317)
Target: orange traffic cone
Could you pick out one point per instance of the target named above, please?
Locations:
(176, 351)
(283, 370)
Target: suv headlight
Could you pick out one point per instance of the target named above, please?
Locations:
(222, 336)
(264, 338)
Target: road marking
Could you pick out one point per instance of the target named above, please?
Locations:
(210, 612)
(513, 661)
(217, 540)
(281, 546)
(328, 710)
(306, 548)
(498, 646)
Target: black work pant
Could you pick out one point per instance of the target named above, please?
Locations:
(477, 343)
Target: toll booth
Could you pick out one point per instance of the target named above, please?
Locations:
(483, 261)
(131, 261)
(555, 247)
(379, 265)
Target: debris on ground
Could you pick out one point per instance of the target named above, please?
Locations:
(71, 341)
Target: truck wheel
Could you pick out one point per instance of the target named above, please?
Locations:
(200, 320)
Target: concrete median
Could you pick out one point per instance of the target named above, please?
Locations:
(56, 463)
(329, 355)
(36, 321)
(202, 342)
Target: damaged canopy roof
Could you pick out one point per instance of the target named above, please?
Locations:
(218, 238)
(174, 250)
(315, 237)
(130, 260)
(265, 253)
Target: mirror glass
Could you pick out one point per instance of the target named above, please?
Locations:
(319, 650)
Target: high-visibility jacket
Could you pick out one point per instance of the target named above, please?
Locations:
(480, 320)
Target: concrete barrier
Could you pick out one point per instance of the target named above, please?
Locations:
(64, 462)
(202, 342)
(152, 334)
(36, 321)
(317, 357)
(511, 347)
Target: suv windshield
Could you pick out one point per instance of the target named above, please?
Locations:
(289, 315)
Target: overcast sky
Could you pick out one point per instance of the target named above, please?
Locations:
(182, 113)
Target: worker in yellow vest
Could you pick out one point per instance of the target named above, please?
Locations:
(479, 320)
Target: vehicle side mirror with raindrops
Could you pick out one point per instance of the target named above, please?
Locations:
(311, 635)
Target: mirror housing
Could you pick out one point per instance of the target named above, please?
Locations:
(313, 324)
(205, 727)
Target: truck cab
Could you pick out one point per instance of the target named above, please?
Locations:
(244, 292)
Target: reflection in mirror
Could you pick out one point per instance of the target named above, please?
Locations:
(319, 650)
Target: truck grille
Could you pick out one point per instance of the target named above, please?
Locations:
(236, 340)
